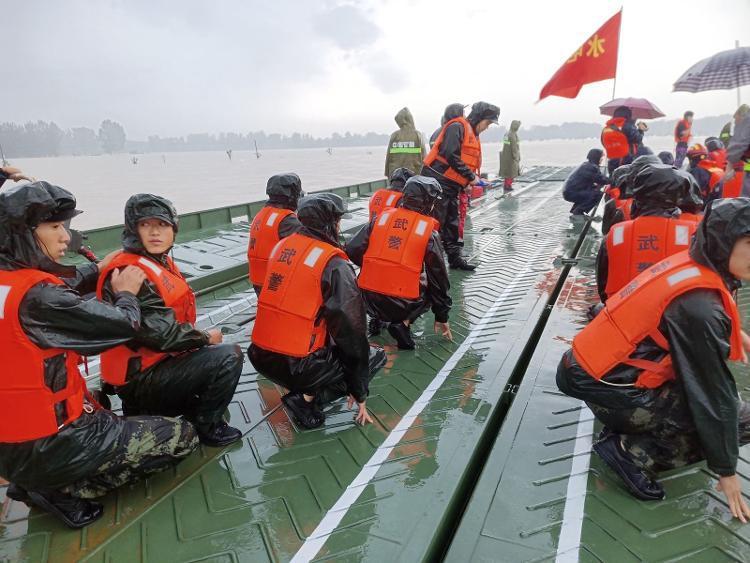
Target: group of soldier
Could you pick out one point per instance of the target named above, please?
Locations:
(61, 446)
(653, 362)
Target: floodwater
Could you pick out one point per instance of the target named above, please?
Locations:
(203, 180)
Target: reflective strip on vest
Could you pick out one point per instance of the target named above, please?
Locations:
(405, 150)
(271, 219)
(4, 291)
(683, 275)
(681, 235)
(747, 167)
(618, 235)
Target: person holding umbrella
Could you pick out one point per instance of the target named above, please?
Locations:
(621, 137)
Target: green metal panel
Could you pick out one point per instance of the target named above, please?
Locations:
(518, 508)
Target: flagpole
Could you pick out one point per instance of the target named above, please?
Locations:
(617, 64)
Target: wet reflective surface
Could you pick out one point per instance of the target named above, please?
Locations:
(261, 499)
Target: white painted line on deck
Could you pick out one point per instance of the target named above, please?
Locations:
(333, 517)
(569, 544)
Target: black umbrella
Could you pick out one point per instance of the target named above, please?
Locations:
(723, 71)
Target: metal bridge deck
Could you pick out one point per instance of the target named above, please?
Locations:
(543, 496)
(396, 490)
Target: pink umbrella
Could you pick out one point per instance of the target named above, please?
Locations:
(641, 108)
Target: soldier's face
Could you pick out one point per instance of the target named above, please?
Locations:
(53, 239)
(739, 260)
(157, 236)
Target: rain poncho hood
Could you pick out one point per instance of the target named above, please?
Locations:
(659, 187)
(399, 178)
(483, 110)
(515, 125)
(145, 206)
(594, 156)
(284, 190)
(420, 194)
(619, 177)
(404, 118)
(725, 221)
(22, 209)
(452, 111)
(320, 214)
(666, 157)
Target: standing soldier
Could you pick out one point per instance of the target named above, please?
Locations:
(662, 385)
(738, 156)
(510, 157)
(310, 334)
(455, 160)
(406, 147)
(682, 135)
(277, 220)
(58, 447)
(402, 272)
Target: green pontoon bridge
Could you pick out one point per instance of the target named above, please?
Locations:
(474, 454)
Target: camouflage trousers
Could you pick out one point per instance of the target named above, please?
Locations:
(663, 436)
(147, 444)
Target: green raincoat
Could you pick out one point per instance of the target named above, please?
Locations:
(405, 148)
(510, 156)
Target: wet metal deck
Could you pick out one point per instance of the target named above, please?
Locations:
(543, 496)
(398, 489)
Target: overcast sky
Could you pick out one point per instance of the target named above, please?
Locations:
(172, 68)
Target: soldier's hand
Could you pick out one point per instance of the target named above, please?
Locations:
(745, 345)
(215, 336)
(104, 262)
(444, 330)
(363, 417)
(732, 489)
(128, 279)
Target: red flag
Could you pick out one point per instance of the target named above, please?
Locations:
(593, 61)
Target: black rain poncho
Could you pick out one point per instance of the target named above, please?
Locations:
(698, 331)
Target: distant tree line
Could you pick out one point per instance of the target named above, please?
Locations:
(41, 138)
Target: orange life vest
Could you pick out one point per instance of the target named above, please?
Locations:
(175, 292)
(719, 157)
(694, 217)
(626, 206)
(27, 405)
(471, 152)
(716, 173)
(636, 245)
(733, 187)
(392, 264)
(612, 192)
(686, 133)
(264, 234)
(383, 199)
(288, 320)
(615, 142)
(635, 313)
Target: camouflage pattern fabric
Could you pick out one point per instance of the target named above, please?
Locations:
(148, 444)
(663, 436)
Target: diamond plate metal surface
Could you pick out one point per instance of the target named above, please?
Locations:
(260, 499)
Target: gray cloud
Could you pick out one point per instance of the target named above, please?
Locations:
(348, 26)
